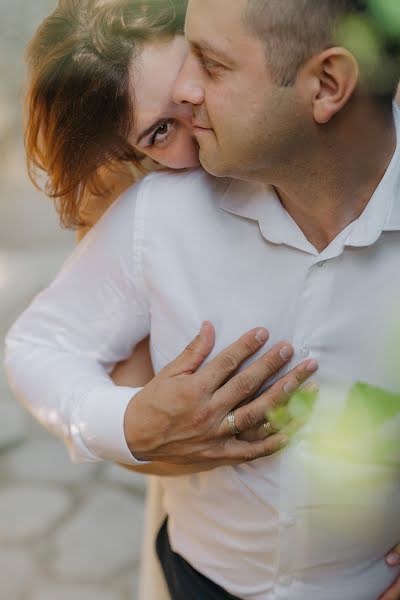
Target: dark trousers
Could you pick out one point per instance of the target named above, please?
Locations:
(184, 582)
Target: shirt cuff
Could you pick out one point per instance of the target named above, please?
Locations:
(100, 424)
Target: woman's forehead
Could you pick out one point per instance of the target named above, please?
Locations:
(154, 75)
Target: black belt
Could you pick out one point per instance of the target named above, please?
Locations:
(184, 582)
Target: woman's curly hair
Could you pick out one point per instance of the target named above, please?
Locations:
(80, 105)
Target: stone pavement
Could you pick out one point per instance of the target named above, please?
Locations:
(67, 532)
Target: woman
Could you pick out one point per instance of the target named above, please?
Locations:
(99, 103)
(81, 63)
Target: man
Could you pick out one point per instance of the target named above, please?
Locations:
(285, 248)
(298, 125)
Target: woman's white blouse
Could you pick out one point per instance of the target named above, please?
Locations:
(178, 249)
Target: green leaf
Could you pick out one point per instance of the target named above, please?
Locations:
(371, 406)
(387, 14)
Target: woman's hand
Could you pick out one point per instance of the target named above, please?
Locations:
(393, 560)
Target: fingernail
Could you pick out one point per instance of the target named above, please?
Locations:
(290, 387)
(312, 366)
(203, 331)
(262, 336)
(284, 442)
(393, 559)
(286, 352)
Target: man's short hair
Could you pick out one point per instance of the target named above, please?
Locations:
(295, 30)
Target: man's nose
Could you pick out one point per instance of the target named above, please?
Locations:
(187, 87)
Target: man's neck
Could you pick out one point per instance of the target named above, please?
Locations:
(333, 190)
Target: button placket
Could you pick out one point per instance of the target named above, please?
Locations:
(305, 351)
(285, 580)
(319, 276)
(310, 309)
(287, 522)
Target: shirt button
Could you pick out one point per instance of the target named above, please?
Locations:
(288, 522)
(305, 351)
(322, 263)
(285, 580)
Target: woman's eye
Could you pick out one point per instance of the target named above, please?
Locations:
(161, 134)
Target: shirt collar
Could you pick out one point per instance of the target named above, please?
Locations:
(261, 203)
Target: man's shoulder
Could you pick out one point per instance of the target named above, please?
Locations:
(181, 189)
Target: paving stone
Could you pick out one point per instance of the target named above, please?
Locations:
(7, 115)
(24, 272)
(27, 512)
(17, 569)
(101, 539)
(127, 585)
(73, 592)
(6, 395)
(47, 461)
(125, 477)
(13, 425)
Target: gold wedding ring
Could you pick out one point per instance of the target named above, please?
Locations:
(268, 428)
(232, 424)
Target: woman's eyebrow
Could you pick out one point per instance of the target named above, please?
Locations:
(150, 129)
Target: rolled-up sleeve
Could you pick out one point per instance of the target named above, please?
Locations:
(60, 352)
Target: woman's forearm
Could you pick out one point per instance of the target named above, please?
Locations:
(137, 370)
(59, 351)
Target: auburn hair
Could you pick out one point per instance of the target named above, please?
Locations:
(80, 103)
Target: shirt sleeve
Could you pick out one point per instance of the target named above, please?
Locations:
(61, 350)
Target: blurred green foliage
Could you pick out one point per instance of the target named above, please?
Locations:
(373, 36)
(368, 429)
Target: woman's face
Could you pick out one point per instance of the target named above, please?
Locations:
(163, 129)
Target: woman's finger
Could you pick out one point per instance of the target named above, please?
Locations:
(393, 557)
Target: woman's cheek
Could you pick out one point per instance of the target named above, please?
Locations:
(185, 154)
(182, 153)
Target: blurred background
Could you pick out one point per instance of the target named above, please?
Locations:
(67, 532)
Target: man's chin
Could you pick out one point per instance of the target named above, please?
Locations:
(212, 163)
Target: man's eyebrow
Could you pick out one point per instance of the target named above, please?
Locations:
(149, 130)
(202, 46)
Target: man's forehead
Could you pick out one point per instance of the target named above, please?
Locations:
(216, 16)
(216, 25)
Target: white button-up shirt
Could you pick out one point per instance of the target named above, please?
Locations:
(178, 249)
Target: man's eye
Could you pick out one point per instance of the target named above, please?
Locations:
(209, 64)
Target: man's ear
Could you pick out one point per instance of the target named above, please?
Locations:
(332, 77)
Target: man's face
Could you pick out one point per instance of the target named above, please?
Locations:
(244, 123)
